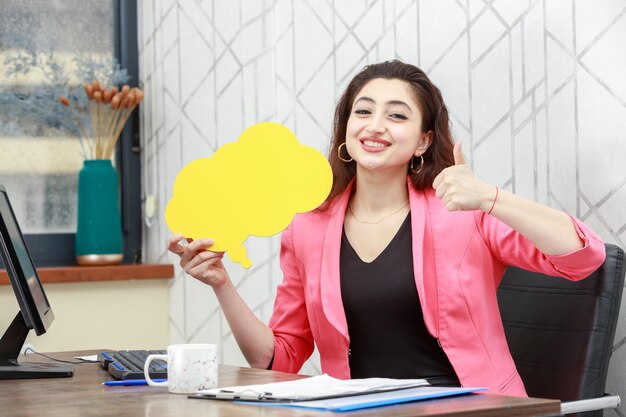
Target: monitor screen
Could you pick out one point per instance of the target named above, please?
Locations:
(30, 294)
(35, 312)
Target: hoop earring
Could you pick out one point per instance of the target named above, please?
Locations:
(419, 168)
(339, 154)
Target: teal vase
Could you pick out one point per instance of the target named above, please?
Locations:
(99, 227)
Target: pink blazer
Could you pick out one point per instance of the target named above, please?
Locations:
(459, 259)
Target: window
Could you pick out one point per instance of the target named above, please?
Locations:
(43, 45)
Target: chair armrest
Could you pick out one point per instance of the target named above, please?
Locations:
(608, 401)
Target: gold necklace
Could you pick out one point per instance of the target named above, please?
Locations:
(378, 221)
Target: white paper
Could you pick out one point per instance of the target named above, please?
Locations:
(311, 388)
(90, 358)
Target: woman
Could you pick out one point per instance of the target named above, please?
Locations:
(395, 275)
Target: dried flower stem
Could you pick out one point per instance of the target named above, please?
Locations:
(83, 137)
(109, 110)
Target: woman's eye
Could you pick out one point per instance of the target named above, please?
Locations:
(362, 111)
(399, 116)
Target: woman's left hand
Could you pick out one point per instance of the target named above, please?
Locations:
(458, 188)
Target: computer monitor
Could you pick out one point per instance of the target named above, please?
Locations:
(35, 311)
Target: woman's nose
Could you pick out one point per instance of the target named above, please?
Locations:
(376, 126)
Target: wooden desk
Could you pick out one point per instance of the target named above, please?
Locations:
(84, 395)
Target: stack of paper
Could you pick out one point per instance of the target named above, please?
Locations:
(317, 387)
(325, 392)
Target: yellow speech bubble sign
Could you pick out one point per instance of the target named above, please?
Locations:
(254, 186)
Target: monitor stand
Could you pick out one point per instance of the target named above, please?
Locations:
(10, 346)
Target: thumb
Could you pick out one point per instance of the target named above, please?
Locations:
(459, 159)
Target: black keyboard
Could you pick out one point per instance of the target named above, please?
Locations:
(128, 364)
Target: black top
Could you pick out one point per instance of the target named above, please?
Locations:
(388, 337)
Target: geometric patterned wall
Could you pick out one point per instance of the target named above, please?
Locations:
(536, 92)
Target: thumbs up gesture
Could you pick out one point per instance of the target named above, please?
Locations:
(458, 188)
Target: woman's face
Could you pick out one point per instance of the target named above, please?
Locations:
(384, 129)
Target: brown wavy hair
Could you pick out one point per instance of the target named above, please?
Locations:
(434, 118)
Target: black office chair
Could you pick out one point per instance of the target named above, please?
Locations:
(561, 333)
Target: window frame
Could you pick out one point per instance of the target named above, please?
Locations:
(58, 249)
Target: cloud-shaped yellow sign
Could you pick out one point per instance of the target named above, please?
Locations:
(253, 186)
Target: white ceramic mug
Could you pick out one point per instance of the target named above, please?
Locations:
(190, 368)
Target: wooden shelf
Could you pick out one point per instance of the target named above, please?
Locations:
(100, 273)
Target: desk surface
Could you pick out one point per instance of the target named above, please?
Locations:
(84, 395)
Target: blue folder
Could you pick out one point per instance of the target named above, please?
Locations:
(357, 402)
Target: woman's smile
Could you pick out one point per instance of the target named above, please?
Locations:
(370, 144)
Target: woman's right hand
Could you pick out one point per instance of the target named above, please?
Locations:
(199, 262)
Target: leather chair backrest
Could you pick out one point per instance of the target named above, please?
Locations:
(560, 332)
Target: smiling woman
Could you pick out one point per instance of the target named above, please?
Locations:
(420, 104)
(392, 120)
(395, 274)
